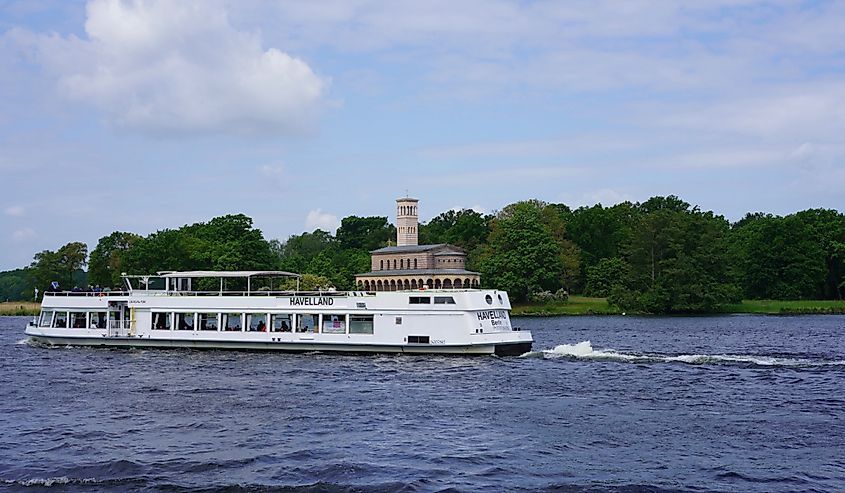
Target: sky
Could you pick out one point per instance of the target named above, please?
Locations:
(144, 115)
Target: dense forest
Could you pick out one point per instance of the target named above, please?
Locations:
(658, 256)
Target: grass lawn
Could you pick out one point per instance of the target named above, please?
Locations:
(787, 307)
(577, 305)
(19, 308)
(582, 305)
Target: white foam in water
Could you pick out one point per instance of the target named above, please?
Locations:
(584, 350)
(62, 480)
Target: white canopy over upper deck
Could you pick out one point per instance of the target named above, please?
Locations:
(182, 280)
(167, 274)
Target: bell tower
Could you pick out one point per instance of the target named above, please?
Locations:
(407, 222)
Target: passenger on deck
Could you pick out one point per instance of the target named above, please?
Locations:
(285, 327)
(262, 327)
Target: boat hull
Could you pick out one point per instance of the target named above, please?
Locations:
(506, 349)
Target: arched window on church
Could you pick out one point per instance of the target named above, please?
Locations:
(415, 263)
(381, 265)
(394, 263)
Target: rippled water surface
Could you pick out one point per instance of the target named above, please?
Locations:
(605, 404)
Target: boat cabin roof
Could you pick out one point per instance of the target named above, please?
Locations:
(227, 273)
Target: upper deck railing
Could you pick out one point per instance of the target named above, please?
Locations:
(156, 292)
(251, 293)
(153, 292)
(92, 294)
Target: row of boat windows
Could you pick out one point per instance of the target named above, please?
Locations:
(261, 322)
(426, 300)
(77, 320)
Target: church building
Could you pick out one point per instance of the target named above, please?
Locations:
(409, 265)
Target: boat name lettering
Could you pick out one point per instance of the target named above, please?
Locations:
(137, 302)
(491, 315)
(438, 341)
(313, 301)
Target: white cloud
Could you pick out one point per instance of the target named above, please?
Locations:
(23, 234)
(805, 111)
(14, 211)
(275, 173)
(273, 170)
(607, 197)
(477, 208)
(162, 67)
(317, 219)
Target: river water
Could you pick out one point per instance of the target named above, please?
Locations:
(604, 404)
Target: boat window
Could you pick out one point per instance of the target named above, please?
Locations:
(360, 324)
(208, 321)
(419, 300)
(444, 300)
(418, 339)
(185, 321)
(307, 322)
(60, 320)
(257, 322)
(98, 320)
(282, 322)
(232, 322)
(488, 299)
(334, 324)
(160, 321)
(46, 318)
(77, 320)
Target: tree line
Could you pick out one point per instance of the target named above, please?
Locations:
(659, 256)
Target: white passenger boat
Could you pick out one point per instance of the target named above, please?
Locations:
(163, 311)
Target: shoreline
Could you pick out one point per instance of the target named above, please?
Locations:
(584, 306)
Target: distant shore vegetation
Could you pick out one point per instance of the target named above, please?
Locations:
(661, 256)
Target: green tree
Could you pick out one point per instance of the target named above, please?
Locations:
(522, 255)
(780, 257)
(107, 259)
(295, 253)
(677, 261)
(606, 275)
(63, 266)
(364, 233)
(224, 243)
(827, 227)
(16, 285)
(465, 228)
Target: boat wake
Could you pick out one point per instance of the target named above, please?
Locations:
(585, 351)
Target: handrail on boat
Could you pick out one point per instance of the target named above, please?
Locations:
(86, 293)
